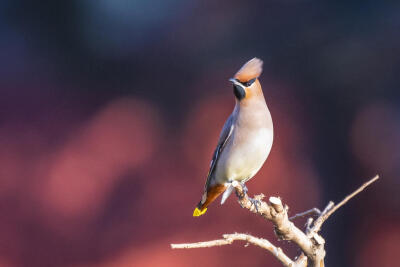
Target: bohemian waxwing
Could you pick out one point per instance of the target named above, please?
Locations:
(245, 140)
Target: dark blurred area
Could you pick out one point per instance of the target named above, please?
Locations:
(110, 111)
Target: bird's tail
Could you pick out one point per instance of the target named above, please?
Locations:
(209, 196)
(199, 211)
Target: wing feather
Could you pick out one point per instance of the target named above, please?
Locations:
(223, 139)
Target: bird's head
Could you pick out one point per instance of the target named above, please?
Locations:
(245, 82)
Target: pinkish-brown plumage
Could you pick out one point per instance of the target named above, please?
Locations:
(252, 69)
(245, 140)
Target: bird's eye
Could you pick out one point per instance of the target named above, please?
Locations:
(249, 83)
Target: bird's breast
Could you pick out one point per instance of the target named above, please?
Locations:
(245, 154)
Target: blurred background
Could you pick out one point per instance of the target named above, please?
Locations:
(110, 111)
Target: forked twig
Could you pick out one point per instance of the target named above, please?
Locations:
(310, 242)
(302, 214)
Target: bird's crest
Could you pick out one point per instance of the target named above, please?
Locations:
(252, 69)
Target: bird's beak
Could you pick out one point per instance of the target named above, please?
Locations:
(233, 81)
(236, 83)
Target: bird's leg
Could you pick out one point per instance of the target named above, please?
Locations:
(253, 201)
(245, 189)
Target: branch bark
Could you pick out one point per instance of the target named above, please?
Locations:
(330, 209)
(307, 212)
(229, 238)
(310, 242)
(275, 212)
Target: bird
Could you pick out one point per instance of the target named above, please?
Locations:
(245, 140)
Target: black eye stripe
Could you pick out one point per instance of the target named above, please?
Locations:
(248, 83)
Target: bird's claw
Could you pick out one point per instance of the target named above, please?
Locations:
(255, 202)
(245, 189)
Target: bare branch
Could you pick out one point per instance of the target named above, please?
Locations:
(277, 214)
(310, 242)
(319, 242)
(301, 261)
(205, 244)
(302, 214)
(308, 225)
(229, 238)
(330, 209)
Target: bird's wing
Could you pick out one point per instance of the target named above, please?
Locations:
(223, 139)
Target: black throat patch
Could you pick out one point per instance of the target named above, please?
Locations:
(239, 92)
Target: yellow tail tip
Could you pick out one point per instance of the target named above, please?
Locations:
(197, 212)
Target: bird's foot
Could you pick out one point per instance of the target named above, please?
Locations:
(242, 185)
(255, 202)
(245, 189)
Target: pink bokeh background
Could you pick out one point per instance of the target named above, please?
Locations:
(110, 112)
